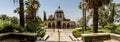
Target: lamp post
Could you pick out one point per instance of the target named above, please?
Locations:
(84, 5)
(58, 35)
(59, 31)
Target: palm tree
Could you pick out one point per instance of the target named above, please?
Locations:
(95, 4)
(20, 10)
(32, 7)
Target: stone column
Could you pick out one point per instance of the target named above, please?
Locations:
(66, 25)
(61, 25)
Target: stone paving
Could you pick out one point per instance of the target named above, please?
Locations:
(64, 34)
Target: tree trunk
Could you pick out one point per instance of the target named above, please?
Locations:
(85, 18)
(21, 13)
(83, 25)
(95, 17)
(113, 13)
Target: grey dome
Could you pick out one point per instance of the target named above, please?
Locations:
(59, 10)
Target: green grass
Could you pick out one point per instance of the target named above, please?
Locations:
(103, 31)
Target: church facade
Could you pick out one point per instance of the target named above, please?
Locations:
(59, 21)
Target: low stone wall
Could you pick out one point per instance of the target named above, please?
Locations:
(72, 37)
(115, 37)
(20, 36)
(100, 37)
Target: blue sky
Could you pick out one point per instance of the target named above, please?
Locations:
(70, 8)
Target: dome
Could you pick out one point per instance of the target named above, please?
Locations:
(59, 10)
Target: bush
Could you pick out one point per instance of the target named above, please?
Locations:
(117, 31)
(7, 26)
(76, 33)
(111, 27)
(41, 33)
(31, 27)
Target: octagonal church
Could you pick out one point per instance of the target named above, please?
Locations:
(59, 20)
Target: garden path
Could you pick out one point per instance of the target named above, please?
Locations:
(64, 34)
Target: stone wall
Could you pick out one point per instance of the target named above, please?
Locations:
(100, 37)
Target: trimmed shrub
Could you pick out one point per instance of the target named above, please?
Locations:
(41, 33)
(76, 33)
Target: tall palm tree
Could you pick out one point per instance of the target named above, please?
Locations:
(95, 4)
(32, 7)
(21, 12)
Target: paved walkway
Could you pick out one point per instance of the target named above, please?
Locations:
(64, 34)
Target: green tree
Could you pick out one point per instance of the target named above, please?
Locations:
(95, 4)
(103, 16)
(50, 17)
(32, 7)
(14, 20)
(45, 16)
(21, 12)
(4, 17)
(80, 21)
(117, 13)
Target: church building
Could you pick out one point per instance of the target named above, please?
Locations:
(59, 21)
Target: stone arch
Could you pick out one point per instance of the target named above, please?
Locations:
(58, 24)
(49, 25)
(64, 25)
(68, 26)
(45, 24)
(73, 25)
(53, 25)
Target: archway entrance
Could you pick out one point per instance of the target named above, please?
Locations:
(64, 25)
(49, 25)
(68, 26)
(58, 24)
(53, 25)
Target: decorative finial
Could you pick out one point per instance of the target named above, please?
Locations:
(59, 7)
